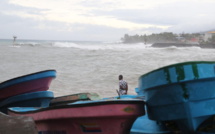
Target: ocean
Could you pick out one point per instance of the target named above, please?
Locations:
(84, 66)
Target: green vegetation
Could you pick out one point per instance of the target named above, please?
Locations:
(153, 38)
(168, 37)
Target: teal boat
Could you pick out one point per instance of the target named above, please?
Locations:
(181, 94)
(34, 99)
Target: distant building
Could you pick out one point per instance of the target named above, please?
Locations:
(194, 40)
(208, 35)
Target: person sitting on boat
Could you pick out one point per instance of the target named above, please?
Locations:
(123, 86)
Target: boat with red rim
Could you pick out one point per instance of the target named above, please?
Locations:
(39, 81)
(83, 117)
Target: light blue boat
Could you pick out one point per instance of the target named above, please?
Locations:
(182, 93)
(143, 125)
(35, 99)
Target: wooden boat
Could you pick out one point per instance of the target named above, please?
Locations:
(39, 81)
(182, 93)
(94, 117)
(17, 125)
(34, 99)
(63, 100)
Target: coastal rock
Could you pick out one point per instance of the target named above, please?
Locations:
(174, 44)
(17, 125)
(160, 45)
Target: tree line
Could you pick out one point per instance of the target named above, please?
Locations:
(166, 37)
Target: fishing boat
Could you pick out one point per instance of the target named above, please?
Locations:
(143, 125)
(63, 100)
(17, 125)
(34, 99)
(39, 81)
(183, 94)
(83, 117)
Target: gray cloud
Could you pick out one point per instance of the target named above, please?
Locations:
(187, 16)
(169, 14)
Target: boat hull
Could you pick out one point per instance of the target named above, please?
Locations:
(35, 99)
(143, 125)
(39, 81)
(96, 117)
(182, 92)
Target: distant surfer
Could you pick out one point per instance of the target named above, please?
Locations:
(123, 86)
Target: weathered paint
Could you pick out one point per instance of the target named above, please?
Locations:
(167, 75)
(90, 127)
(180, 73)
(129, 110)
(195, 71)
(183, 92)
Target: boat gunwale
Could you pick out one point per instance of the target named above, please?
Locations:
(67, 98)
(71, 95)
(36, 95)
(138, 131)
(66, 102)
(6, 83)
(75, 105)
(177, 64)
(180, 82)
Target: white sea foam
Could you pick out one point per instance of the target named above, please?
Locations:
(93, 66)
(101, 46)
(65, 44)
(15, 46)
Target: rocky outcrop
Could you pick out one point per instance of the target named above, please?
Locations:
(160, 45)
(174, 44)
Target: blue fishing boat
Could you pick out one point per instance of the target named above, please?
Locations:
(35, 99)
(182, 93)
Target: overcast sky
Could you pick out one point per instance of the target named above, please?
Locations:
(102, 20)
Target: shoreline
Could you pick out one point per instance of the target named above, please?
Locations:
(160, 45)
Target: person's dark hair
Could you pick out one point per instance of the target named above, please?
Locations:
(120, 77)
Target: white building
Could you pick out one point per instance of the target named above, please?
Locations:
(208, 35)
